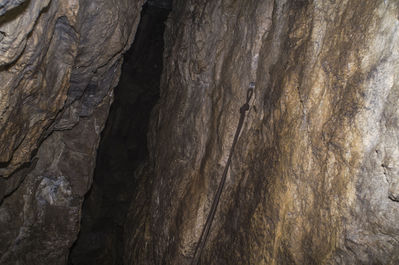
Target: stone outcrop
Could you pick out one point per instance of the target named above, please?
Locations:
(59, 63)
(314, 179)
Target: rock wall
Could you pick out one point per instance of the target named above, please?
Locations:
(314, 178)
(123, 146)
(59, 62)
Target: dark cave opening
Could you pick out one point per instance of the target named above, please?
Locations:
(123, 145)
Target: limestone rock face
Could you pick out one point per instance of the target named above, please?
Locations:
(315, 175)
(123, 146)
(59, 61)
(314, 178)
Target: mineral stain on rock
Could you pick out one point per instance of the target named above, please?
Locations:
(314, 176)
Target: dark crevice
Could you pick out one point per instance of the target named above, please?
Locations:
(12, 10)
(123, 146)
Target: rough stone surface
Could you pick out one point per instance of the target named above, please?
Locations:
(59, 61)
(123, 146)
(314, 179)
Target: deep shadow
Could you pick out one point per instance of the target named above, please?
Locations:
(12, 10)
(123, 146)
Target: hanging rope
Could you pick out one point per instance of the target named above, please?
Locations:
(211, 215)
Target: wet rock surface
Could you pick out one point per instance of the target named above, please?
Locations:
(60, 61)
(313, 179)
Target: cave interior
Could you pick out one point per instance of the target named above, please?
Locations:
(123, 145)
(120, 121)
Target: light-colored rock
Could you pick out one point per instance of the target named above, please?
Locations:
(314, 179)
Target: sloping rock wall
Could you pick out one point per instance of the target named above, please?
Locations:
(314, 179)
(123, 145)
(59, 62)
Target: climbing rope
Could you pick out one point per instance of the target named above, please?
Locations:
(211, 215)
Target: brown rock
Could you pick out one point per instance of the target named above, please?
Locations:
(59, 62)
(314, 176)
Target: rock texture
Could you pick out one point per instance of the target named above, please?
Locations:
(59, 61)
(123, 146)
(314, 179)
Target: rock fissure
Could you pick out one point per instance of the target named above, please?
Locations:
(123, 146)
(313, 180)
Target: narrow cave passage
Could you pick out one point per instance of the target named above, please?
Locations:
(123, 146)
